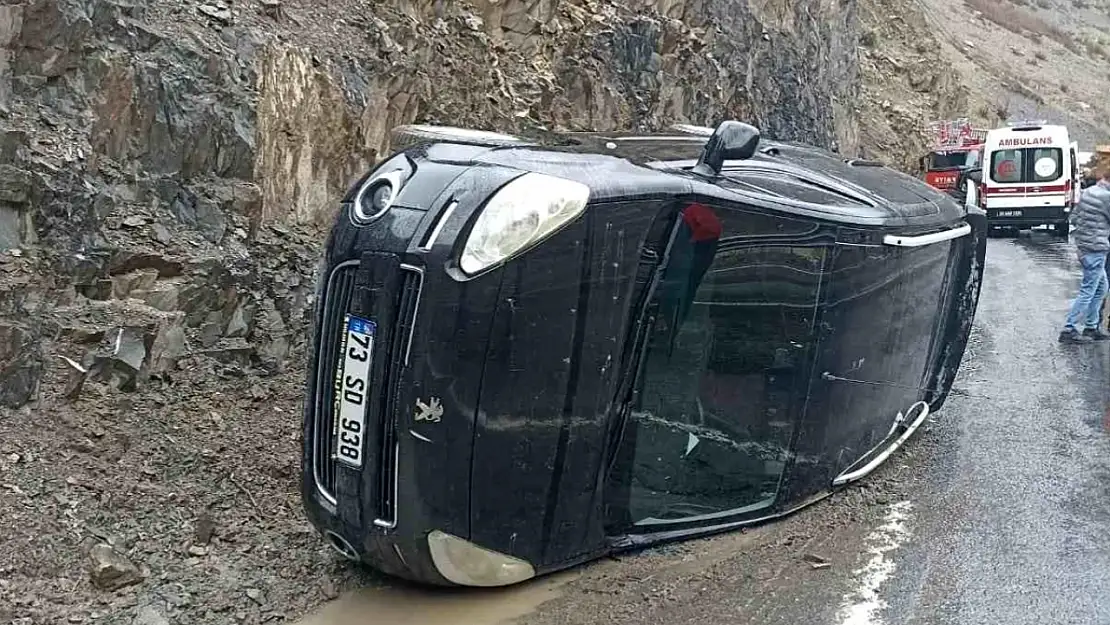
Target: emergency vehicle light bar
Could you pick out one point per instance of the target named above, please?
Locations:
(1029, 123)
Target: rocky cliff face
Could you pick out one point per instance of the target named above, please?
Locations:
(169, 138)
(165, 168)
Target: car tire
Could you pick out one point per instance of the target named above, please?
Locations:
(412, 134)
(1061, 229)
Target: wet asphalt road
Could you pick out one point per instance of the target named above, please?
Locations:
(1013, 524)
(996, 512)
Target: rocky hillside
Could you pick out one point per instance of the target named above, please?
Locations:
(990, 60)
(165, 168)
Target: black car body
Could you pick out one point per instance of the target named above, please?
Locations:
(716, 332)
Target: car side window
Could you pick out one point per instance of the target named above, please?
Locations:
(717, 400)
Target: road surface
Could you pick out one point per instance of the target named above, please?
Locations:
(998, 511)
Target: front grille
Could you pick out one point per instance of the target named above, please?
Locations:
(337, 300)
(400, 350)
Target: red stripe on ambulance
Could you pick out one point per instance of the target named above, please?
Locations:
(1055, 188)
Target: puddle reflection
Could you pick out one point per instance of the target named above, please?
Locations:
(415, 605)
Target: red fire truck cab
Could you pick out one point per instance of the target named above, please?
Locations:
(956, 146)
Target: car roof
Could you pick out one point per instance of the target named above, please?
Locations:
(782, 176)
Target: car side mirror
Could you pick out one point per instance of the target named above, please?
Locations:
(731, 140)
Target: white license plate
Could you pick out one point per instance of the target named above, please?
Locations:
(1009, 213)
(352, 386)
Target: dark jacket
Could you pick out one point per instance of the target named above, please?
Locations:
(1091, 219)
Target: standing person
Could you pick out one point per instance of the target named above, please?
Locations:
(1091, 233)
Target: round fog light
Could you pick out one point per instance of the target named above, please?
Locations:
(375, 197)
(466, 564)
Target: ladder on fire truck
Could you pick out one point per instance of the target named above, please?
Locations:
(950, 133)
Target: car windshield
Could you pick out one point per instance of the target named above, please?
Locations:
(1026, 165)
(952, 159)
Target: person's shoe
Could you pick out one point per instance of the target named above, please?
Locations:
(1096, 334)
(1071, 335)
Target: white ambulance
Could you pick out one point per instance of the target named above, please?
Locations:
(1030, 176)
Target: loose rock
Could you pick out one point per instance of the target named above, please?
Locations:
(148, 615)
(110, 570)
(256, 595)
(218, 13)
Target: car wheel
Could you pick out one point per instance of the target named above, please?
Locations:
(1061, 229)
(412, 134)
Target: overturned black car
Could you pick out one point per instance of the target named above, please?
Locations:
(528, 354)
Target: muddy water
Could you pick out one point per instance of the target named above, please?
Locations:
(410, 605)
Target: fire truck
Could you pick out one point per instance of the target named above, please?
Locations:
(956, 146)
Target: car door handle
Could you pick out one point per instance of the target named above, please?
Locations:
(926, 239)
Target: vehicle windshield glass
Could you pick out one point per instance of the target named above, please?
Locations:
(952, 159)
(1026, 165)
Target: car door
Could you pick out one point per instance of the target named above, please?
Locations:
(723, 373)
(1073, 158)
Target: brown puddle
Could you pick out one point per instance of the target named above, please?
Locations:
(419, 606)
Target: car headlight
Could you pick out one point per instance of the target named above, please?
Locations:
(520, 215)
(466, 564)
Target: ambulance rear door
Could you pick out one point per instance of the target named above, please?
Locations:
(1076, 177)
(1027, 176)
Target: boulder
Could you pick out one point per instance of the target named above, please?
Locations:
(129, 355)
(109, 570)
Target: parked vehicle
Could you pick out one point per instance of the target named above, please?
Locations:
(956, 146)
(529, 353)
(1032, 177)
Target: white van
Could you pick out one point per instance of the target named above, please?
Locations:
(1030, 176)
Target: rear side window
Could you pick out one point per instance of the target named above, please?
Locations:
(1026, 165)
(1046, 164)
(1006, 166)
